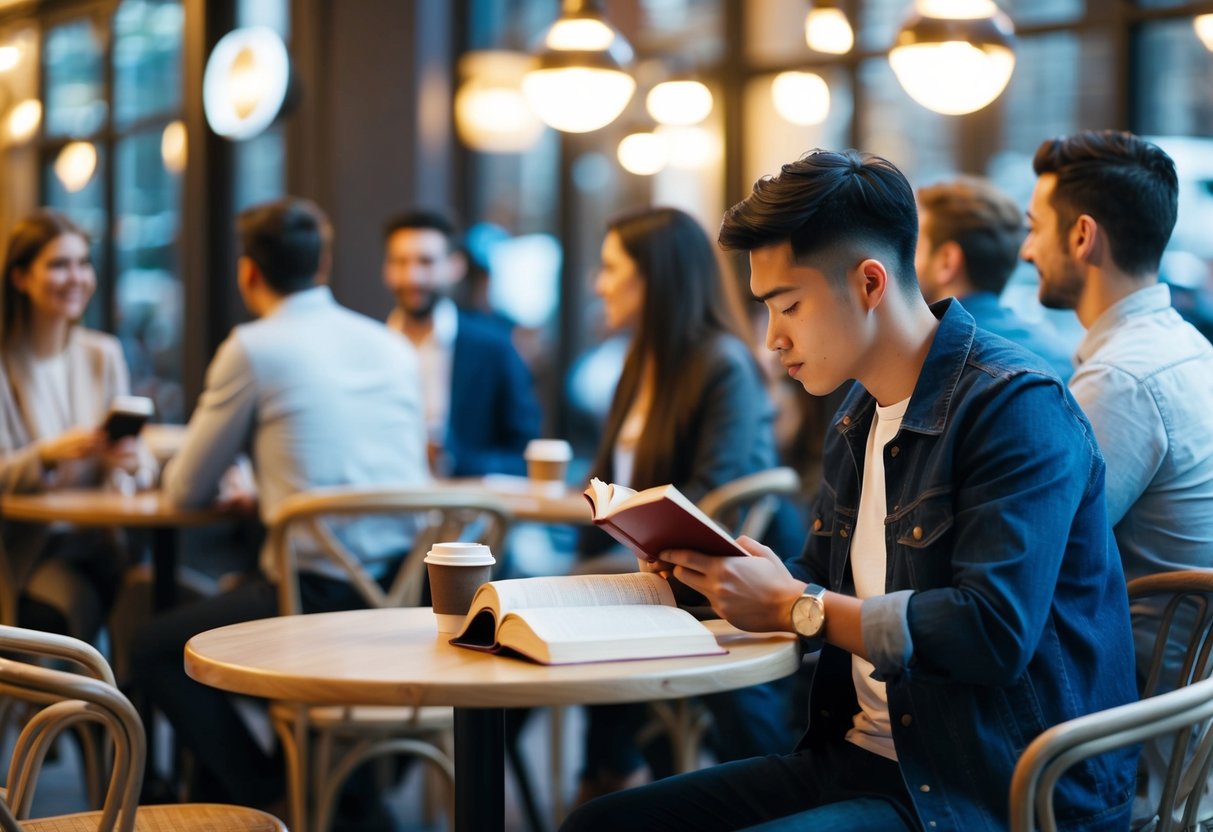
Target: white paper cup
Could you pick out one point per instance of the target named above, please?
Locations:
(547, 462)
(456, 571)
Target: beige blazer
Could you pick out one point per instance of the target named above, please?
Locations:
(96, 372)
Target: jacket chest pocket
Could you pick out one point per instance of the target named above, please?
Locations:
(923, 531)
(831, 529)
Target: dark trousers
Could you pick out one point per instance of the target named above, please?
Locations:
(203, 718)
(839, 788)
(748, 722)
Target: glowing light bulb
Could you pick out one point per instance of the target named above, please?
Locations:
(679, 102)
(643, 154)
(826, 29)
(801, 97)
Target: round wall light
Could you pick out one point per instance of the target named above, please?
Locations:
(246, 81)
(801, 97)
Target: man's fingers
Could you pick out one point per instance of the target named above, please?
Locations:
(756, 549)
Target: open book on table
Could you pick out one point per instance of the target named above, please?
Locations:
(584, 618)
(656, 519)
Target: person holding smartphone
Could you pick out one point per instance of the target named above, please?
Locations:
(59, 382)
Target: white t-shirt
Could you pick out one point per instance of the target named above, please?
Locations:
(871, 730)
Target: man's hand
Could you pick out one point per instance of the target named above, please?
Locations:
(754, 593)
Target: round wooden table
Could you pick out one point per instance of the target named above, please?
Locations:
(105, 509)
(395, 657)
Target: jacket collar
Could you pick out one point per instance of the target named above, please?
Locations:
(936, 385)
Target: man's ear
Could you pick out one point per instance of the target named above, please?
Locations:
(871, 281)
(248, 276)
(951, 265)
(1084, 237)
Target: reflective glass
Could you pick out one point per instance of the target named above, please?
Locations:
(74, 75)
(1175, 109)
(148, 296)
(1043, 11)
(85, 205)
(260, 168)
(147, 59)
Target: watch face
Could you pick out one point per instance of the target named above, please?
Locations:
(808, 614)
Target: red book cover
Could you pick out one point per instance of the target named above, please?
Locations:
(657, 519)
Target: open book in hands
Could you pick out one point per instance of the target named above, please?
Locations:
(656, 519)
(584, 618)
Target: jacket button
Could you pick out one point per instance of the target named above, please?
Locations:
(917, 533)
(894, 451)
(817, 525)
(924, 788)
(846, 420)
(906, 719)
(842, 532)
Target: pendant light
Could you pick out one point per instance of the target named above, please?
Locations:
(954, 56)
(826, 28)
(1204, 29)
(580, 82)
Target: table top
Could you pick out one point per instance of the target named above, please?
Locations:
(95, 507)
(541, 503)
(396, 657)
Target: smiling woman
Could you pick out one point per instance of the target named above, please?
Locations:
(59, 381)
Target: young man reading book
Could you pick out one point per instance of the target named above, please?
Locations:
(960, 568)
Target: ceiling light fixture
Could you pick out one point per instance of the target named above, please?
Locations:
(826, 28)
(954, 56)
(580, 82)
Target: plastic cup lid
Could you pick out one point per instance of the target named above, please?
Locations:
(460, 554)
(551, 450)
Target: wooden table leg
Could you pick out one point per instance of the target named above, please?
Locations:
(479, 769)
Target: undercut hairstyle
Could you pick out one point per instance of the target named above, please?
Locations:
(26, 241)
(830, 204)
(425, 220)
(1126, 184)
(983, 221)
(287, 239)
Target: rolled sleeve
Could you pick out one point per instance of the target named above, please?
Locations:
(884, 621)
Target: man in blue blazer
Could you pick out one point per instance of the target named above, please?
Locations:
(480, 406)
(969, 234)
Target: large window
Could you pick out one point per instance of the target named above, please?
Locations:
(113, 151)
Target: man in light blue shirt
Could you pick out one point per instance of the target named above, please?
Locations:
(969, 234)
(323, 397)
(1100, 216)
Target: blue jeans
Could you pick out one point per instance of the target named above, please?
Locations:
(839, 787)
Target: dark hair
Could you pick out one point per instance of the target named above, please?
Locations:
(1128, 185)
(425, 220)
(830, 201)
(687, 305)
(287, 239)
(26, 241)
(986, 223)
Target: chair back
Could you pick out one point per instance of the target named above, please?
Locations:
(747, 504)
(1175, 702)
(66, 700)
(436, 516)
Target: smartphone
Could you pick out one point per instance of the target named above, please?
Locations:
(127, 416)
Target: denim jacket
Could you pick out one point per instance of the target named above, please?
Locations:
(1006, 610)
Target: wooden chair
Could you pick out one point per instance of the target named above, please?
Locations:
(1184, 711)
(90, 697)
(312, 735)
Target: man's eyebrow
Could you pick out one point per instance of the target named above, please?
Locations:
(778, 290)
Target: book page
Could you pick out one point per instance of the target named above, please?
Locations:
(583, 591)
(610, 623)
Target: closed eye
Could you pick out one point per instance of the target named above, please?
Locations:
(789, 310)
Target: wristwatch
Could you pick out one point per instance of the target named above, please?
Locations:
(809, 612)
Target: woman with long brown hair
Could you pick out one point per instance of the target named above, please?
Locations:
(59, 380)
(690, 409)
